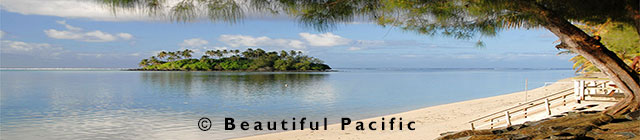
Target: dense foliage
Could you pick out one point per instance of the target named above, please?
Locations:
(619, 38)
(249, 60)
(456, 18)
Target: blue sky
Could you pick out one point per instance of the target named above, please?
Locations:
(43, 33)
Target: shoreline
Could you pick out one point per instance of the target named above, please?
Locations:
(430, 121)
(329, 70)
(136, 69)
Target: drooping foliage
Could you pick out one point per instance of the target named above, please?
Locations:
(457, 18)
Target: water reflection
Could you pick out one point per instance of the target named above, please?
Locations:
(151, 105)
(238, 86)
(167, 105)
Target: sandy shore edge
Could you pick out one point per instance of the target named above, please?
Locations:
(430, 121)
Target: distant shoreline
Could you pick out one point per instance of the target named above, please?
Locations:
(363, 68)
(329, 70)
(138, 69)
(63, 69)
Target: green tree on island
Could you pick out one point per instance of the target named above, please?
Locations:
(187, 53)
(258, 60)
(162, 55)
(462, 19)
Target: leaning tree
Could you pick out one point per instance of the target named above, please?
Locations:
(463, 19)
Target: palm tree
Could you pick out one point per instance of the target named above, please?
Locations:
(245, 54)
(283, 54)
(219, 54)
(204, 58)
(581, 64)
(210, 53)
(179, 54)
(154, 61)
(162, 55)
(249, 53)
(259, 52)
(186, 53)
(293, 53)
(144, 63)
(236, 52)
(172, 56)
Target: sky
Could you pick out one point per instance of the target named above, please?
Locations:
(84, 34)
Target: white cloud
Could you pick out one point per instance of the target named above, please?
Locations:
(96, 55)
(76, 33)
(69, 27)
(98, 36)
(250, 41)
(371, 43)
(324, 40)
(2, 34)
(135, 54)
(62, 34)
(220, 48)
(382, 44)
(307, 39)
(194, 42)
(365, 44)
(70, 9)
(92, 9)
(49, 51)
(354, 48)
(40, 49)
(241, 40)
(296, 44)
(125, 36)
(216, 48)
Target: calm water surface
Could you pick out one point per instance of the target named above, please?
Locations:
(167, 105)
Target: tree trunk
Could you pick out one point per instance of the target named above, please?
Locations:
(578, 41)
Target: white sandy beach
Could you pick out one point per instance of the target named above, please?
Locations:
(430, 121)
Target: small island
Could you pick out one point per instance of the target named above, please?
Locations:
(233, 60)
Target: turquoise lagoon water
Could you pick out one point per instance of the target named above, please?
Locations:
(167, 105)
